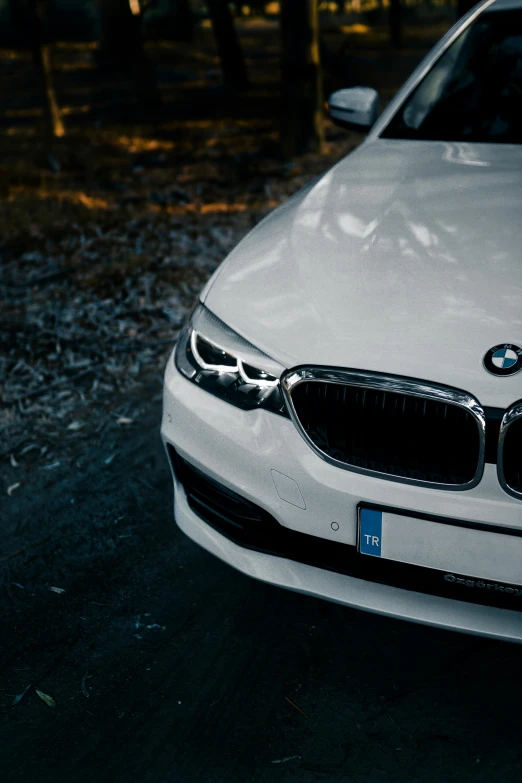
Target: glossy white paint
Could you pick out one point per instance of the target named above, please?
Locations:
(405, 258)
(474, 619)
(355, 106)
(241, 449)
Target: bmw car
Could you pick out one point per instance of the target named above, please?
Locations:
(343, 407)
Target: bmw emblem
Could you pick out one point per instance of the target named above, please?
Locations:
(503, 359)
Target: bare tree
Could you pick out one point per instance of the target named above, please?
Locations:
(395, 23)
(40, 49)
(184, 21)
(227, 41)
(301, 78)
(122, 46)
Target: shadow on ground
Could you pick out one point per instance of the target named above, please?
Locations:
(167, 665)
(164, 665)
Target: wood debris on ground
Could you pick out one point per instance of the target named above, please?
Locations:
(104, 251)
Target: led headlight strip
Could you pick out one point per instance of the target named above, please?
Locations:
(207, 365)
(265, 381)
(241, 380)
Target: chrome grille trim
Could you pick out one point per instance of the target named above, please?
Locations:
(387, 383)
(513, 414)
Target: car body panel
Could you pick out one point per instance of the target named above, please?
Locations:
(241, 448)
(404, 258)
(500, 624)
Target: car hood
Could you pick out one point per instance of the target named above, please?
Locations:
(405, 258)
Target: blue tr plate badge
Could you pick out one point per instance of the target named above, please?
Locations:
(370, 531)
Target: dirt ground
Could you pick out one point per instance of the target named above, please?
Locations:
(127, 653)
(166, 665)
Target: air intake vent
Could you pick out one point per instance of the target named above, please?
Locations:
(223, 508)
(390, 431)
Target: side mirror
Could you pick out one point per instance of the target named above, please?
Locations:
(355, 108)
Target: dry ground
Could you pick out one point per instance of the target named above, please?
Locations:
(164, 664)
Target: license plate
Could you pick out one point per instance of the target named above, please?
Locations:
(370, 532)
(441, 544)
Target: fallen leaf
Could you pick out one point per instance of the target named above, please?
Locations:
(124, 420)
(51, 466)
(28, 448)
(222, 207)
(74, 426)
(58, 590)
(46, 698)
(92, 202)
(83, 686)
(286, 758)
(13, 461)
(12, 488)
(18, 699)
(295, 705)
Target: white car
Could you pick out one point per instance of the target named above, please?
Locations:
(342, 411)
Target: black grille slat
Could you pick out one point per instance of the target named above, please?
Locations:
(396, 434)
(219, 505)
(512, 456)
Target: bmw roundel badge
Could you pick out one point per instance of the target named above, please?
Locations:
(503, 359)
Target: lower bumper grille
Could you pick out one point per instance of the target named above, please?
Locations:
(250, 526)
(233, 515)
(389, 426)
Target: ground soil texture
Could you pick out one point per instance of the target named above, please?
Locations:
(162, 663)
(167, 665)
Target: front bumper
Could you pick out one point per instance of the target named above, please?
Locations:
(249, 452)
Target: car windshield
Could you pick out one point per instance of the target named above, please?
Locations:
(474, 91)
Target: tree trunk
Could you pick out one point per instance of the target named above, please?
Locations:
(41, 54)
(17, 16)
(301, 79)
(121, 46)
(395, 23)
(227, 41)
(184, 21)
(463, 6)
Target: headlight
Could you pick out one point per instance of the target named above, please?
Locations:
(213, 356)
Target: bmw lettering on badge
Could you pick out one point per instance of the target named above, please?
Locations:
(503, 359)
